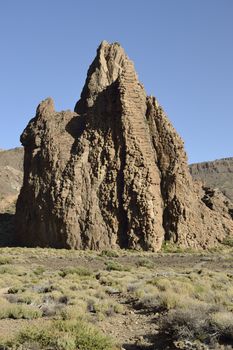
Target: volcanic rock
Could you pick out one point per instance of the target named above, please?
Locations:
(215, 174)
(11, 178)
(11, 174)
(111, 174)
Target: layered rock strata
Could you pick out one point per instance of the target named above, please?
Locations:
(111, 174)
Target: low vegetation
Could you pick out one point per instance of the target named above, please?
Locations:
(70, 335)
(76, 299)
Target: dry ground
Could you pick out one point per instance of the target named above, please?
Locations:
(168, 300)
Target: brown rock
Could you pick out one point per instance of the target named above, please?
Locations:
(215, 174)
(112, 174)
(11, 174)
(187, 219)
(215, 200)
(11, 178)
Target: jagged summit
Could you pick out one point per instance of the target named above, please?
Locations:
(113, 173)
(108, 65)
(46, 106)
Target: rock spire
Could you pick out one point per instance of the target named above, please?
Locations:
(111, 174)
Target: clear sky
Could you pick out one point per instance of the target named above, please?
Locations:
(182, 50)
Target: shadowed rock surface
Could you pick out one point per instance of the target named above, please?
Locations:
(11, 178)
(218, 173)
(113, 173)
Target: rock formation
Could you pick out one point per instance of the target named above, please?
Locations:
(11, 178)
(111, 174)
(218, 173)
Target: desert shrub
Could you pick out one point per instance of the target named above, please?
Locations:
(12, 298)
(188, 324)
(199, 322)
(52, 309)
(5, 260)
(202, 324)
(163, 284)
(20, 298)
(18, 311)
(47, 288)
(169, 300)
(114, 266)
(134, 287)
(149, 301)
(80, 271)
(74, 287)
(91, 305)
(39, 270)
(228, 241)
(107, 307)
(13, 290)
(110, 253)
(99, 293)
(222, 322)
(62, 335)
(7, 269)
(144, 262)
(184, 287)
(13, 270)
(75, 311)
(169, 247)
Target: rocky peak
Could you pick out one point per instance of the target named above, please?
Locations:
(46, 107)
(113, 174)
(106, 68)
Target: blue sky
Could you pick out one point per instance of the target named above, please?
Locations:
(182, 50)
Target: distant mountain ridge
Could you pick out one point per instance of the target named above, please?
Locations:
(217, 173)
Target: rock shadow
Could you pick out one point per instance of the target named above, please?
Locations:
(7, 229)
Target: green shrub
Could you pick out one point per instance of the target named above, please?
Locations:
(39, 270)
(16, 311)
(62, 335)
(222, 322)
(143, 262)
(110, 253)
(228, 241)
(108, 307)
(80, 271)
(5, 260)
(13, 290)
(114, 266)
(170, 247)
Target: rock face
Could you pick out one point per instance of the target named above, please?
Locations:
(11, 178)
(111, 174)
(218, 173)
(215, 200)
